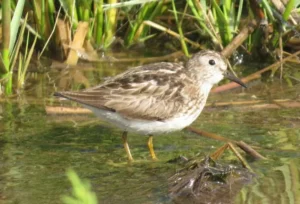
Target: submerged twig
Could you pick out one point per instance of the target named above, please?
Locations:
(216, 154)
(208, 134)
(230, 146)
(246, 148)
(286, 103)
(249, 150)
(66, 110)
(239, 156)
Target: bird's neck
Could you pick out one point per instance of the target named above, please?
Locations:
(205, 88)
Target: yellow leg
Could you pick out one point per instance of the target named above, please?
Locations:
(126, 146)
(150, 146)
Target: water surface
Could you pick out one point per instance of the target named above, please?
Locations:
(37, 148)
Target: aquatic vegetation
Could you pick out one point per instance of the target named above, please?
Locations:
(81, 191)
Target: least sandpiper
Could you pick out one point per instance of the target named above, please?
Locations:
(155, 98)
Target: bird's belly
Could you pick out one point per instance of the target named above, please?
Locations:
(146, 127)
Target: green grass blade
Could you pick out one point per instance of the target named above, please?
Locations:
(136, 29)
(268, 9)
(16, 50)
(81, 191)
(15, 23)
(69, 6)
(37, 14)
(200, 14)
(179, 27)
(6, 22)
(288, 9)
(225, 31)
(226, 8)
(239, 14)
(111, 23)
(20, 84)
(99, 23)
(221, 17)
(28, 57)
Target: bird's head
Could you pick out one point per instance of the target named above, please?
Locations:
(210, 67)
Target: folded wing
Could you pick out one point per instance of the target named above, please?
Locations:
(147, 92)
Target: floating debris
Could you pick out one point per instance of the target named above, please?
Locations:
(208, 182)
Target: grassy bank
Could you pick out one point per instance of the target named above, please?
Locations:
(67, 27)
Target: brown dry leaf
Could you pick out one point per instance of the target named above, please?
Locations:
(77, 42)
(63, 35)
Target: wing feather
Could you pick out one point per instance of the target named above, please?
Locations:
(148, 92)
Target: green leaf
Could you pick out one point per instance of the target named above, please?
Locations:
(288, 9)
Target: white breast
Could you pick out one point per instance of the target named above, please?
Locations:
(146, 127)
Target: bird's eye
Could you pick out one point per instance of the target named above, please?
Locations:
(212, 62)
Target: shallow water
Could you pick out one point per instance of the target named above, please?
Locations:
(37, 148)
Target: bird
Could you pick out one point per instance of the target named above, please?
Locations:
(155, 98)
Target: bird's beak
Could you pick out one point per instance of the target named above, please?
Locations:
(231, 77)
